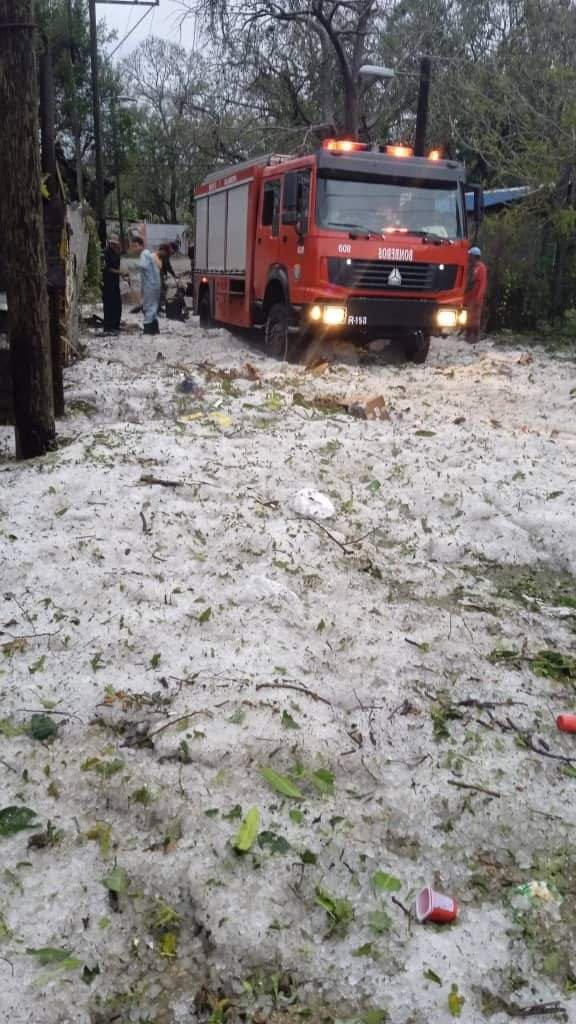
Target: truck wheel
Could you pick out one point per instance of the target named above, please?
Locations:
(417, 347)
(204, 312)
(276, 338)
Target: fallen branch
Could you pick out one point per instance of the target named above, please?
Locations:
(161, 483)
(293, 686)
(343, 547)
(8, 766)
(181, 718)
(145, 527)
(475, 788)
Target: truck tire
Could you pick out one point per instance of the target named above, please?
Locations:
(205, 312)
(417, 347)
(276, 337)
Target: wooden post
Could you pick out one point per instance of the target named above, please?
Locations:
(23, 233)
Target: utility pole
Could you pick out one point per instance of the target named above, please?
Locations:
(74, 106)
(100, 212)
(100, 198)
(422, 111)
(113, 111)
(23, 233)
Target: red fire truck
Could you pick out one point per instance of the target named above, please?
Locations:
(361, 241)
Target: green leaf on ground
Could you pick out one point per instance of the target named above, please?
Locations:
(425, 433)
(554, 665)
(89, 973)
(431, 975)
(169, 944)
(101, 832)
(105, 768)
(296, 816)
(455, 1002)
(340, 911)
(237, 717)
(42, 727)
(375, 1017)
(155, 660)
(275, 843)
(365, 950)
(143, 796)
(246, 834)
(324, 781)
(374, 486)
(379, 921)
(38, 666)
(205, 616)
(281, 783)
(46, 955)
(15, 819)
(5, 929)
(116, 881)
(309, 857)
(233, 813)
(9, 729)
(385, 882)
(288, 722)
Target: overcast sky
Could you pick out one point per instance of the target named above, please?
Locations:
(160, 21)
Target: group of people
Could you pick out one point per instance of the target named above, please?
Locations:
(155, 269)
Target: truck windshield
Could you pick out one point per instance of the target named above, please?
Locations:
(409, 205)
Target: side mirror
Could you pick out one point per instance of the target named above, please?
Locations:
(302, 223)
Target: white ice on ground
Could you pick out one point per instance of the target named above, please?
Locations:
(218, 598)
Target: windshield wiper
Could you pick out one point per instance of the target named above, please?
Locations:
(430, 236)
(354, 229)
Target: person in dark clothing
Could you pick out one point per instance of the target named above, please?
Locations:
(166, 270)
(111, 298)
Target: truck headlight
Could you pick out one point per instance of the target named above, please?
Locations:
(315, 313)
(333, 316)
(463, 317)
(447, 318)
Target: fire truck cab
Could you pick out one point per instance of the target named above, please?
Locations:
(363, 242)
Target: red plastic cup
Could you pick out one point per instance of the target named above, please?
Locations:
(434, 906)
(566, 723)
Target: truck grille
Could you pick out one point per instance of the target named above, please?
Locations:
(374, 274)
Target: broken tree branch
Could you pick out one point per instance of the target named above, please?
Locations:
(293, 686)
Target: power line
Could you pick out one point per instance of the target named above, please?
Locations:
(133, 29)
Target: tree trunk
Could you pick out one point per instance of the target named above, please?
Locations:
(21, 219)
(173, 206)
(54, 213)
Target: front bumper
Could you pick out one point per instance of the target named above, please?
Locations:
(391, 317)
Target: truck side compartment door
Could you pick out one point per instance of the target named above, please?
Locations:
(267, 234)
(295, 220)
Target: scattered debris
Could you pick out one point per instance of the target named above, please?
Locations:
(189, 386)
(566, 723)
(369, 409)
(312, 504)
(434, 906)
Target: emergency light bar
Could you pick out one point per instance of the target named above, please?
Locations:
(399, 150)
(348, 146)
(343, 146)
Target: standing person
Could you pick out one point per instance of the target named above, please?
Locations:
(111, 298)
(475, 294)
(150, 285)
(166, 270)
